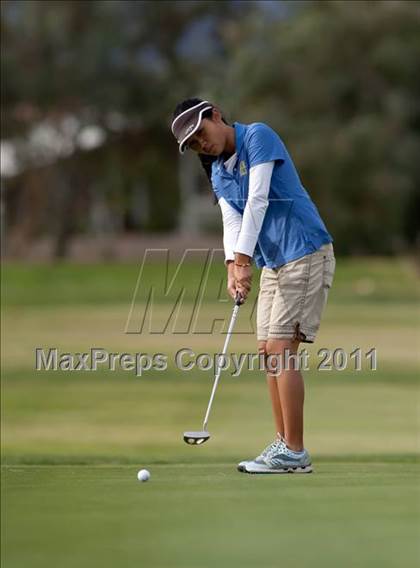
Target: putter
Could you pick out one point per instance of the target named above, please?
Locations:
(201, 436)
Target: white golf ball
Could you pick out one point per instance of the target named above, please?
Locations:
(143, 475)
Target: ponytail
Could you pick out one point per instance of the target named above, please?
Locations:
(207, 161)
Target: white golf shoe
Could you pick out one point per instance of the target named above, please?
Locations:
(267, 451)
(281, 460)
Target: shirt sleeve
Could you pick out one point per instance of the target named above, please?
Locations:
(256, 206)
(232, 221)
(264, 145)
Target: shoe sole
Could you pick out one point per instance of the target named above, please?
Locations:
(306, 469)
(241, 467)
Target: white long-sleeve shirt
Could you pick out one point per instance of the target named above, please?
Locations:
(240, 232)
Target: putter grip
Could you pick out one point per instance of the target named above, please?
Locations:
(238, 299)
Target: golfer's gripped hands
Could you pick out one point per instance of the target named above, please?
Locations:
(239, 280)
(231, 282)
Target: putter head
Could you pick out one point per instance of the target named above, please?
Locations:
(196, 438)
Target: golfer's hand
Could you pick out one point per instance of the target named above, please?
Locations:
(243, 279)
(231, 282)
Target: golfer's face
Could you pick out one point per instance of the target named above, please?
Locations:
(209, 138)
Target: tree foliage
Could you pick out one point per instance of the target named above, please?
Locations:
(338, 80)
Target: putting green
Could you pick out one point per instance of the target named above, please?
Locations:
(346, 514)
(73, 442)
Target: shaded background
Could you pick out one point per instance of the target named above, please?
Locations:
(91, 177)
(88, 90)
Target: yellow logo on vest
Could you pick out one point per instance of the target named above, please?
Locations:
(242, 169)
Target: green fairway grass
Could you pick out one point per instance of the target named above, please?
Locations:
(347, 514)
(72, 442)
(365, 280)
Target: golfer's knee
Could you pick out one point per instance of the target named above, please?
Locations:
(280, 355)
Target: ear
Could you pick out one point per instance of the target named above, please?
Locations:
(217, 115)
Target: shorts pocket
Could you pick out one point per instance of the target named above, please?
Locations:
(328, 270)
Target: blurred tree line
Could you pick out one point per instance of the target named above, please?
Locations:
(88, 90)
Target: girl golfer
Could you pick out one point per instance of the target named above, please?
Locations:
(269, 219)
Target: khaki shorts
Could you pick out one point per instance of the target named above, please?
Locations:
(292, 297)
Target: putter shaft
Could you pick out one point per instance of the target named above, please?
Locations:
(218, 371)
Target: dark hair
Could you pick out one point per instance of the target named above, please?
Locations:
(205, 159)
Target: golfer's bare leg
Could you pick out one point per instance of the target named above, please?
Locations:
(291, 392)
(274, 396)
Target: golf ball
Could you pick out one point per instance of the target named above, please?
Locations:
(143, 475)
